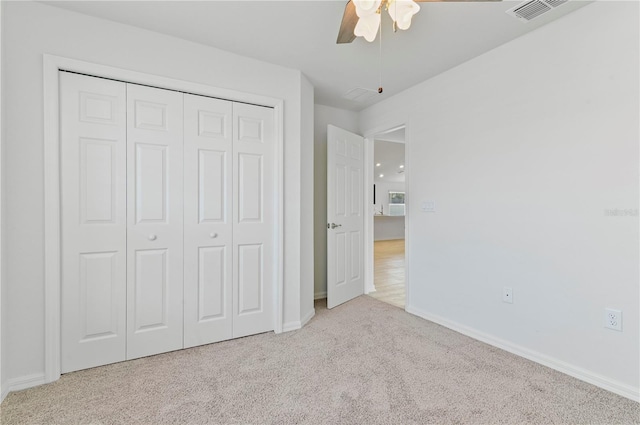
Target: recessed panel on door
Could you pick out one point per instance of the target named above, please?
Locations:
(250, 129)
(355, 198)
(340, 259)
(93, 221)
(98, 295)
(150, 290)
(340, 191)
(212, 287)
(98, 181)
(155, 221)
(250, 187)
(356, 254)
(151, 182)
(150, 115)
(212, 186)
(214, 123)
(250, 278)
(98, 108)
(208, 251)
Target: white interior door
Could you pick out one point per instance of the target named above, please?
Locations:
(155, 220)
(253, 219)
(93, 198)
(208, 259)
(345, 216)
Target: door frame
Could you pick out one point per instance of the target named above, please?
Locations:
(369, 240)
(52, 65)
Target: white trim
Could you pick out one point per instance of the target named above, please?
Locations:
(17, 384)
(298, 324)
(291, 326)
(369, 152)
(308, 317)
(407, 218)
(553, 363)
(278, 110)
(2, 386)
(51, 66)
(320, 295)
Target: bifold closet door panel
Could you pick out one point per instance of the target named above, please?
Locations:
(253, 219)
(207, 220)
(155, 219)
(93, 200)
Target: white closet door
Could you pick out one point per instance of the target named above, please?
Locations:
(207, 220)
(93, 197)
(253, 219)
(154, 216)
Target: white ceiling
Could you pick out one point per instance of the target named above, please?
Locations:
(302, 35)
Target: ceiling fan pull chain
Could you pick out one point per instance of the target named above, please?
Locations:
(380, 63)
(395, 23)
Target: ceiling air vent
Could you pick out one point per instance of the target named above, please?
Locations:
(529, 10)
(360, 94)
(555, 3)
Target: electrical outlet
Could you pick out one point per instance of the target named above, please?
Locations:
(613, 319)
(507, 295)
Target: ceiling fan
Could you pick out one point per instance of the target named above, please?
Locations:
(362, 17)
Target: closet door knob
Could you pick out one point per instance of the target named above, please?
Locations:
(152, 237)
(213, 235)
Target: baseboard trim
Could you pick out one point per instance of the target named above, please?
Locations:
(308, 317)
(320, 295)
(291, 326)
(21, 383)
(577, 372)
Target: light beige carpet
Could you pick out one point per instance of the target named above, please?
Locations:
(365, 362)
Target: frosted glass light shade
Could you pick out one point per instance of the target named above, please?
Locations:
(401, 11)
(366, 7)
(367, 27)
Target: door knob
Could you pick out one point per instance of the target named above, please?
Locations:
(152, 237)
(334, 225)
(213, 235)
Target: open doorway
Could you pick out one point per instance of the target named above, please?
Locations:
(389, 213)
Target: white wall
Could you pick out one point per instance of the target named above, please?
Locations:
(348, 120)
(523, 149)
(32, 29)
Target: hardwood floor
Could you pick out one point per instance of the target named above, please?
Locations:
(389, 272)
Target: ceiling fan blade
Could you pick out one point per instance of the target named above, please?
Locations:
(349, 21)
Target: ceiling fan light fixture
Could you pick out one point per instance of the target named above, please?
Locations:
(401, 11)
(367, 27)
(366, 7)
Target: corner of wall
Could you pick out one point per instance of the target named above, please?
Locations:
(307, 200)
